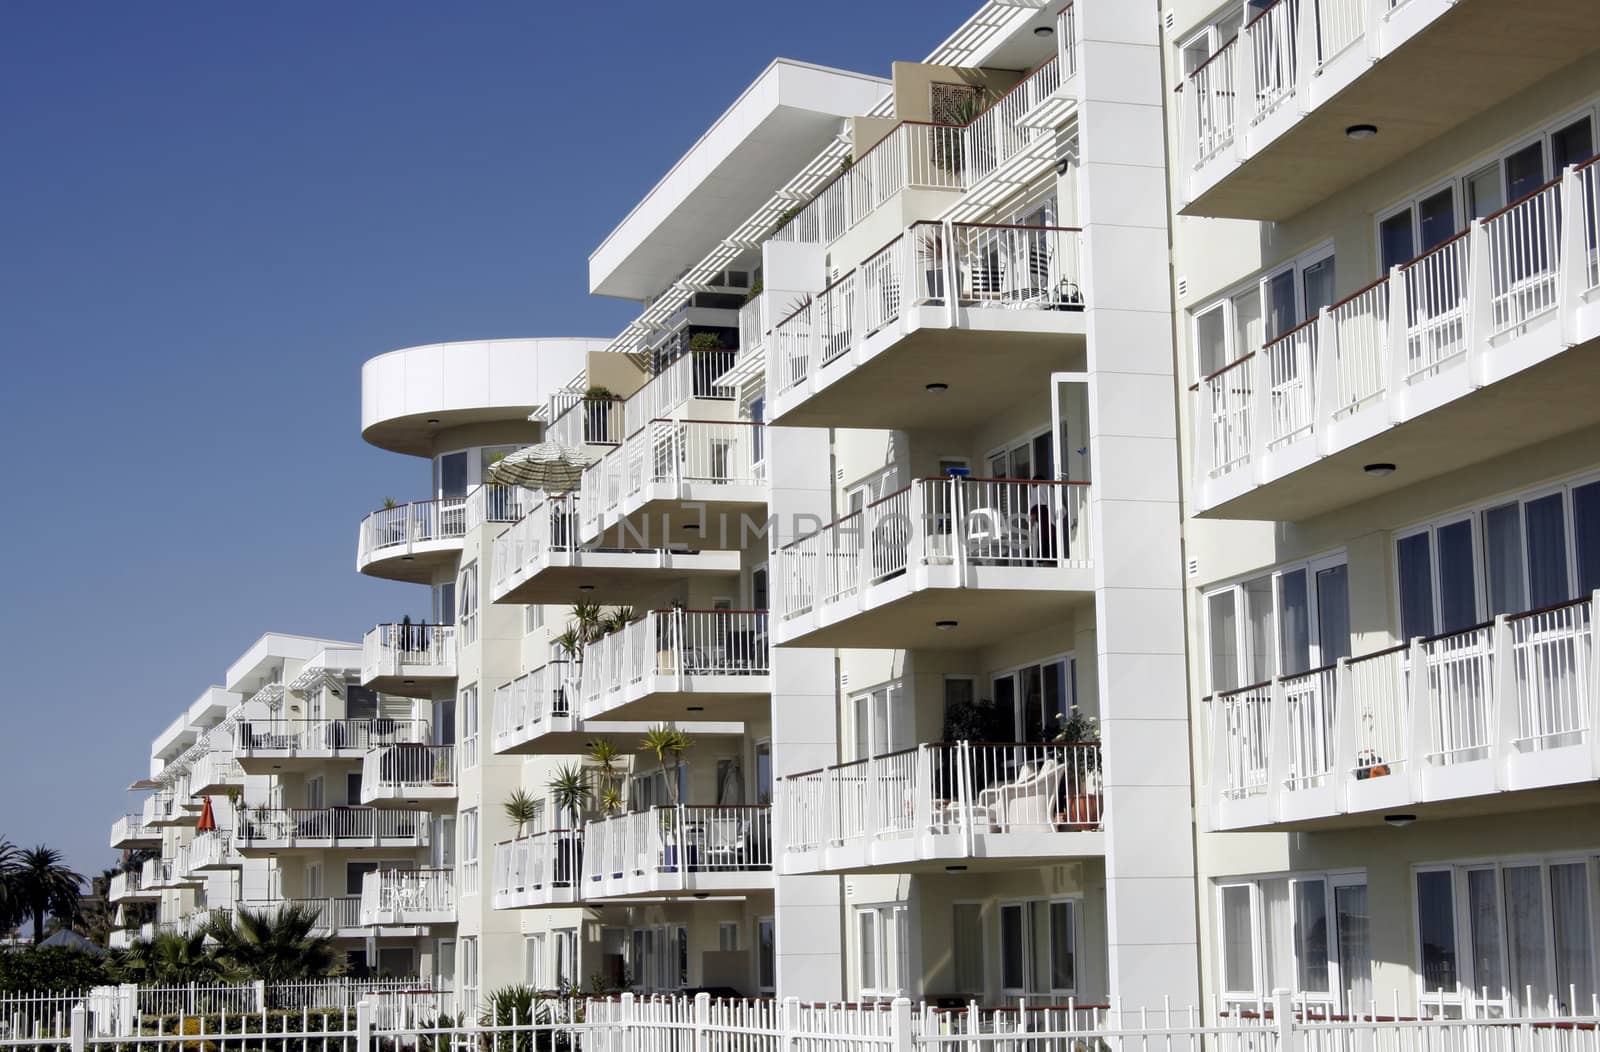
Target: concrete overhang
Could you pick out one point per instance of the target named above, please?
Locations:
(770, 132)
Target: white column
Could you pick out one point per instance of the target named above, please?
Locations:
(1139, 621)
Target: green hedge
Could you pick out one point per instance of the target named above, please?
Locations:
(50, 968)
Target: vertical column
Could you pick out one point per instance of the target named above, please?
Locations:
(1139, 620)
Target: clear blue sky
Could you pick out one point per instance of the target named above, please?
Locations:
(210, 215)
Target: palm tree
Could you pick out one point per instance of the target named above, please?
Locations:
(605, 756)
(586, 619)
(11, 910)
(170, 959)
(42, 885)
(521, 807)
(278, 946)
(569, 790)
(667, 741)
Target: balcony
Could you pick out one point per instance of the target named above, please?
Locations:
(1454, 722)
(542, 560)
(672, 664)
(679, 480)
(579, 421)
(691, 375)
(981, 805)
(213, 852)
(408, 660)
(941, 563)
(678, 850)
(980, 164)
(1263, 119)
(410, 542)
(121, 939)
(1452, 358)
(167, 874)
(265, 746)
(132, 831)
(129, 887)
(165, 810)
(214, 774)
(392, 897)
(986, 311)
(533, 707)
(338, 916)
(274, 831)
(395, 775)
(537, 870)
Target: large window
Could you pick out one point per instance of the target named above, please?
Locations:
(1039, 947)
(882, 951)
(766, 955)
(1519, 934)
(1303, 932)
(468, 829)
(468, 592)
(882, 721)
(1249, 318)
(966, 947)
(1037, 697)
(1279, 623)
(1518, 553)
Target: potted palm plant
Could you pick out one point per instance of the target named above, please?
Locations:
(1082, 787)
(569, 792)
(598, 405)
(664, 741)
(521, 807)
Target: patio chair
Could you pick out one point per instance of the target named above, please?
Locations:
(1027, 803)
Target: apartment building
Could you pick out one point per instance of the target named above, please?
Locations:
(1385, 223)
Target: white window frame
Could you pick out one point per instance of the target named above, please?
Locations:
(1242, 651)
(467, 726)
(897, 710)
(467, 859)
(536, 962)
(1067, 659)
(1029, 985)
(1334, 997)
(467, 604)
(1224, 301)
(766, 933)
(883, 916)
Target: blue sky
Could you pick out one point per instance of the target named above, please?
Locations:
(210, 215)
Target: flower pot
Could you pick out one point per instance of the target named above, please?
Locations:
(1083, 811)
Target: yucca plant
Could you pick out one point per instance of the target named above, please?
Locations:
(521, 807)
(570, 791)
(665, 741)
(568, 643)
(585, 619)
(511, 1006)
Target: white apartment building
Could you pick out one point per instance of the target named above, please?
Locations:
(1112, 506)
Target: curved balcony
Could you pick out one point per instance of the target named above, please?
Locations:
(411, 542)
(265, 746)
(679, 664)
(406, 774)
(942, 563)
(542, 869)
(1453, 722)
(982, 313)
(408, 660)
(542, 560)
(274, 831)
(684, 850)
(976, 804)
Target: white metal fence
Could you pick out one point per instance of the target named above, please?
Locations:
(288, 737)
(408, 650)
(673, 644)
(527, 706)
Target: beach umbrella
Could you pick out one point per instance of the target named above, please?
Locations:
(208, 820)
(550, 466)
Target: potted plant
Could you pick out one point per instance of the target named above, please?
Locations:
(598, 404)
(441, 768)
(706, 341)
(521, 807)
(606, 757)
(931, 252)
(1083, 798)
(665, 741)
(569, 792)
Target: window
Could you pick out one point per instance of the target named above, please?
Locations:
(469, 973)
(728, 936)
(467, 711)
(566, 958)
(1283, 622)
(1304, 932)
(1521, 553)
(536, 968)
(1247, 319)
(1028, 457)
(766, 955)
(468, 826)
(444, 603)
(764, 772)
(450, 475)
(1527, 926)
(468, 591)
(1038, 697)
(882, 721)
(966, 945)
(882, 950)
(532, 618)
(1039, 947)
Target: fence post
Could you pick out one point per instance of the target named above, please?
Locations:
(79, 1027)
(1572, 256)
(259, 987)
(1397, 360)
(363, 1026)
(702, 1020)
(1283, 1018)
(1503, 704)
(789, 1025)
(900, 1037)
(127, 1009)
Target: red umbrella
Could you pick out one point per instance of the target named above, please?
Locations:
(208, 821)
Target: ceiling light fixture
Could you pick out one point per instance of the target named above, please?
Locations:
(1379, 470)
(433, 420)
(1361, 131)
(586, 588)
(1044, 31)
(697, 708)
(410, 683)
(937, 388)
(955, 869)
(1399, 821)
(945, 626)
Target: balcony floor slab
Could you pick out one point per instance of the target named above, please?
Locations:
(613, 577)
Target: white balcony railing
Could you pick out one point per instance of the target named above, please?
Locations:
(132, 829)
(212, 850)
(527, 707)
(342, 826)
(550, 527)
(752, 326)
(963, 523)
(964, 789)
(667, 847)
(128, 885)
(984, 265)
(281, 738)
(666, 648)
(334, 914)
(920, 155)
(408, 896)
(1514, 700)
(409, 651)
(400, 529)
(693, 375)
(588, 421)
(1450, 311)
(408, 769)
(675, 455)
(538, 868)
(216, 768)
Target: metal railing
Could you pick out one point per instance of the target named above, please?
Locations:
(1457, 303)
(407, 896)
(212, 849)
(674, 841)
(588, 421)
(358, 825)
(672, 644)
(1514, 687)
(289, 737)
(400, 528)
(397, 769)
(692, 375)
(132, 827)
(966, 523)
(752, 325)
(126, 885)
(961, 788)
(408, 650)
(524, 707)
(540, 862)
(984, 265)
(676, 453)
(334, 914)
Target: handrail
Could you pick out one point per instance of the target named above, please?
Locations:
(1211, 58)
(1236, 362)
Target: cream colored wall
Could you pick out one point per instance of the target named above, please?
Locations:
(912, 81)
(617, 373)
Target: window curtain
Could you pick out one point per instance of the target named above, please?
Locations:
(1483, 915)
(1570, 921)
(1354, 944)
(1525, 945)
(1311, 936)
(1547, 551)
(1278, 936)
(967, 944)
(1502, 554)
(1238, 941)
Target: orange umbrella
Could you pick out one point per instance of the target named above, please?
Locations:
(208, 821)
